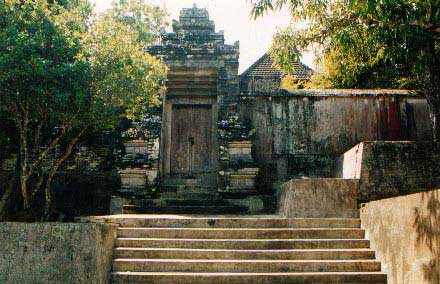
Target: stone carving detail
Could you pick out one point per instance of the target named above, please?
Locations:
(194, 43)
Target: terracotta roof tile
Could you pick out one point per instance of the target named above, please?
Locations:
(264, 67)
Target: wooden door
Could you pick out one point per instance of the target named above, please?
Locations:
(191, 139)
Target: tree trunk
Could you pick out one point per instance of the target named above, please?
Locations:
(6, 196)
(24, 178)
(435, 116)
(53, 171)
(24, 156)
(24, 191)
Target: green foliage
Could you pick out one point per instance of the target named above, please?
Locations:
(147, 21)
(41, 67)
(62, 74)
(123, 74)
(133, 81)
(289, 82)
(363, 43)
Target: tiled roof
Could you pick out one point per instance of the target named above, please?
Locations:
(264, 68)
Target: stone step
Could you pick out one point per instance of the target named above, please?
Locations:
(202, 183)
(316, 254)
(251, 278)
(173, 221)
(175, 209)
(255, 266)
(243, 243)
(191, 195)
(243, 233)
(201, 81)
(194, 202)
(186, 88)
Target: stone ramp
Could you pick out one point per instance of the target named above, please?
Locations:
(252, 249)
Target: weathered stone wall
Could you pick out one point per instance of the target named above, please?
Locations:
(389, 169)
(56, 253)
(405, 233)
(318, 198)
(303, 132)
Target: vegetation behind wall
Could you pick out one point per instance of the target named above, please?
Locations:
(75, 194)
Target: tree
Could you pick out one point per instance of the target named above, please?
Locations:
(365, 43)
(147, 21)
(61, 76)
(42, 78)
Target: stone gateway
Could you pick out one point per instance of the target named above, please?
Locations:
(203, 71)
(189, 129)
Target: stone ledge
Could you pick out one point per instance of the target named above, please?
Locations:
(340, 93)
(321, 197)
(392, 168)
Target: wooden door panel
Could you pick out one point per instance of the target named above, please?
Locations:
(180, 122)
(201, 132)
(191, 139)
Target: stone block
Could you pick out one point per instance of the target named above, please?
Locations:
(136, 147)
(240, 151)
(243, 179)
(53, 253)
(333, 198)
(392, 168)
(133, 179)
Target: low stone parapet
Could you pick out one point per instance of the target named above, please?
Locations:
(318, 198)
(54, 253)
(133, 179)
(392, 168)
(405, 233)
(243, 179)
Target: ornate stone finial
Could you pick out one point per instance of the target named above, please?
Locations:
(194, 6)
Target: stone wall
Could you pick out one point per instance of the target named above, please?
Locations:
(389, 169)
(303, 132)
(56, 253)
(318, 198)
(405, 233)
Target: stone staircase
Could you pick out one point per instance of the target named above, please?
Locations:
(185, 202)
(263, 249)
(185, 196)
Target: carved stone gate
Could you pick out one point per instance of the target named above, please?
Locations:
(189, 129)
(203, 74)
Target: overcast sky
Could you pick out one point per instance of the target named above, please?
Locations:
(232, 16)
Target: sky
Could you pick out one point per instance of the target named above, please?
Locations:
(232, 16)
